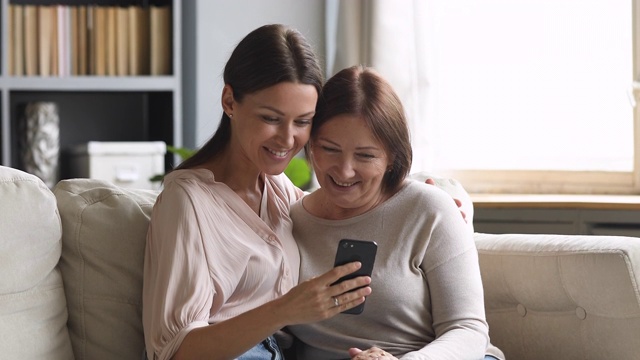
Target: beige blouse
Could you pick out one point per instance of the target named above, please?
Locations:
(209, 257)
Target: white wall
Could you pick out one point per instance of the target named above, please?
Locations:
(211, 29)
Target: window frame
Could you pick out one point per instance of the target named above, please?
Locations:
(567, 182)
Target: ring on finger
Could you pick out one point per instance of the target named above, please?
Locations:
(335, 301)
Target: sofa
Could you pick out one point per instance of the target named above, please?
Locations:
(71, 264)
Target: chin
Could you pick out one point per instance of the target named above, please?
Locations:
(275, 170)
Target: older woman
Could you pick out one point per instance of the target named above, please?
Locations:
(427, 299)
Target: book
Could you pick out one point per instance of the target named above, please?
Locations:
(111, 55)
(138, 40)
(160, 47)
(64, 40)
(30, 40)
(83, 45)
(12, 38)
(45, 30)
(16, 39)
(73, 38)
(54, 38)
(122, 41)
(100, 40)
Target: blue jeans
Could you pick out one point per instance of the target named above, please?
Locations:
(266, 350)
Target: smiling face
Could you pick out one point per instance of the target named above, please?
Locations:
(270, 126)
(350, 164)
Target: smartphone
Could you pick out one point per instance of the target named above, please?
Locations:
(356, 250)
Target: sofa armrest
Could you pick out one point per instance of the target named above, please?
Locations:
(562, 296)
(33, 309)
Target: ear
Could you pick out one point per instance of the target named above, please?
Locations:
(228, 102)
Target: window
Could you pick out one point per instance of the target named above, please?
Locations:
(534, 96)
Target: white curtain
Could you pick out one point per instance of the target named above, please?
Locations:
(390, 36)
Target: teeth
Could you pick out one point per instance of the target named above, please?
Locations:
(343, 184)
(278, 153)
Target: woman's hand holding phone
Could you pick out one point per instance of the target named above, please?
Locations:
(356, 250)
(323, 297)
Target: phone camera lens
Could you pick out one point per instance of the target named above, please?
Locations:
(345, 245)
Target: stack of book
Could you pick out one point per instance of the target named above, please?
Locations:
(63, 40)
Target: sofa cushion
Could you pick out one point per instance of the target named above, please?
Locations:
(104, 232)
(569, 297)
(33, 308)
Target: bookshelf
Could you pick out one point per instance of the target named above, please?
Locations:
(114, 104)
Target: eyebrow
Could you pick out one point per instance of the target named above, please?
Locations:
(358, 148)
(282, 114)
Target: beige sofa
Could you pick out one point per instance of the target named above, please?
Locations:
(547, 296)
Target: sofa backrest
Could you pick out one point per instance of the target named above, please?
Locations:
(104, 235)
(564, 297)
(33, 312)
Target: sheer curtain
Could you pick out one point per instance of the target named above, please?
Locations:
(391, 37)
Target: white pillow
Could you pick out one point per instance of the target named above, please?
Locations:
(103, 246)
(33, 310)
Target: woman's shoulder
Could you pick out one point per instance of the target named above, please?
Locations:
(185, 175)
(284, 187)
(418, 192)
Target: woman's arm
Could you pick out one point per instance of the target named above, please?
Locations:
(179, 295)
(308, 302)
(455, 286)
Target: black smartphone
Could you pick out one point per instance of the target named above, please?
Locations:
(356, 250)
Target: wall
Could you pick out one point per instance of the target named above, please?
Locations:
(211, 29)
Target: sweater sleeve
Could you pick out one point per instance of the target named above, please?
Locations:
(455, 286)
(177, 290)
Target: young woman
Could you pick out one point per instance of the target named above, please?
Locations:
(221, 264)
(428, 301)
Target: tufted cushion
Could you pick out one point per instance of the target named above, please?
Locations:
(33, 309)
(562, 296)
(102, 261)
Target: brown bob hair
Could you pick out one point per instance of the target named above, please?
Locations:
(362, 92)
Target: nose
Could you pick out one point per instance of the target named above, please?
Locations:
(346, 167)
(286, 135)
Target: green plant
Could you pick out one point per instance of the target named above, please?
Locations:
(183, 153)
(299, 172)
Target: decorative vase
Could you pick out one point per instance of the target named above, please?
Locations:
(41, 147)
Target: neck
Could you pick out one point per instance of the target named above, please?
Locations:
(246, 181)
(237, 174)
(319, 204)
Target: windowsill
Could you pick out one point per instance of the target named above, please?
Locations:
(535, 201)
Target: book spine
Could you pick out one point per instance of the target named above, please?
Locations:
(111, 40)
(44, 39)
(122, 51)
(31, 40)
(160, 40)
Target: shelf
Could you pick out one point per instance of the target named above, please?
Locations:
(90, 83)
(94, 108)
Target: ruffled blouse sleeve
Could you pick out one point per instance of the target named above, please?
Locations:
(178, 291)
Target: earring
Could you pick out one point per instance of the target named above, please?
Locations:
(230, 116)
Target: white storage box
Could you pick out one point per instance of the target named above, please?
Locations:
(126, 164)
